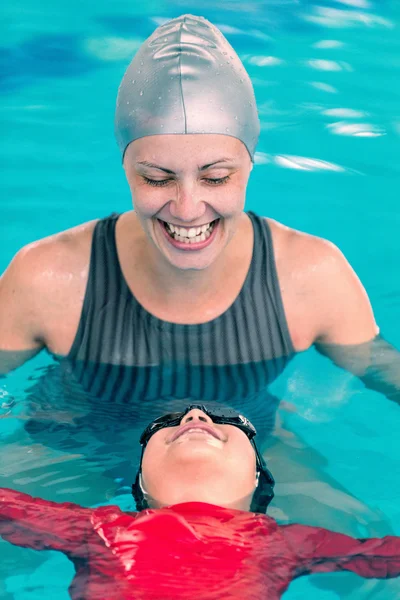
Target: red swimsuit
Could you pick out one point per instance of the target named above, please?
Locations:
(187, 551)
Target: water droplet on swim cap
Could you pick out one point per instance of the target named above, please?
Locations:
(188, 53)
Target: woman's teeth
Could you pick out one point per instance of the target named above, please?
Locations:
(192, 235)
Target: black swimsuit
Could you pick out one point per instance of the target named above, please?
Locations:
(125, 356)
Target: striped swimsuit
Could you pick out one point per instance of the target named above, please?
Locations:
(126, 357)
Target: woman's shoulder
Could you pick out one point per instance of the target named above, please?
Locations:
(62, 249)
(56, 251)
(291, 244)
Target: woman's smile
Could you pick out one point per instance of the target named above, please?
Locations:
(190, 238)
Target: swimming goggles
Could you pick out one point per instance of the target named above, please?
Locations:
(264, 491)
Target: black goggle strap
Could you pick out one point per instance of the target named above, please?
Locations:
(262, 496)
(137, 490)
(262, 465)
(264, 491)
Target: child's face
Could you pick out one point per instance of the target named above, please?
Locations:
(200, 461)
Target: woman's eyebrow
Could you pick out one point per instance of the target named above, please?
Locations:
(152, 166)
(216, 162)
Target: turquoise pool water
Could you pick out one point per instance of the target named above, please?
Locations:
(327, 82)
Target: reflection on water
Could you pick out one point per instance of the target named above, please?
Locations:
(356, 129)
(296, 162)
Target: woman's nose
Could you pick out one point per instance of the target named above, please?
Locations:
(196, 415)
(187, 206)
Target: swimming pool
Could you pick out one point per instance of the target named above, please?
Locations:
(326, 77)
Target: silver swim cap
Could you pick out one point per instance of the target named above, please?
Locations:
(186, 78)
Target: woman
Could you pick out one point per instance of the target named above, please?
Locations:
(187, 296)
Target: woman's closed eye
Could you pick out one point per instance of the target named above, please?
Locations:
(165, 182)
(217, 181)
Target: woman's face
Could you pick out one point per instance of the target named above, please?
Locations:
(180, 185)
(200, 461)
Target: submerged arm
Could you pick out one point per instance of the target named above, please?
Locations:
(346, 331)
(376, 363)
(42, 525)
(321, 551)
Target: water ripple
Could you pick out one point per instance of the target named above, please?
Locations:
(265, 61)
(335, 17)
(329, 65)
(356, 129)
(344, 113)
(324, 87)
(300, 163)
